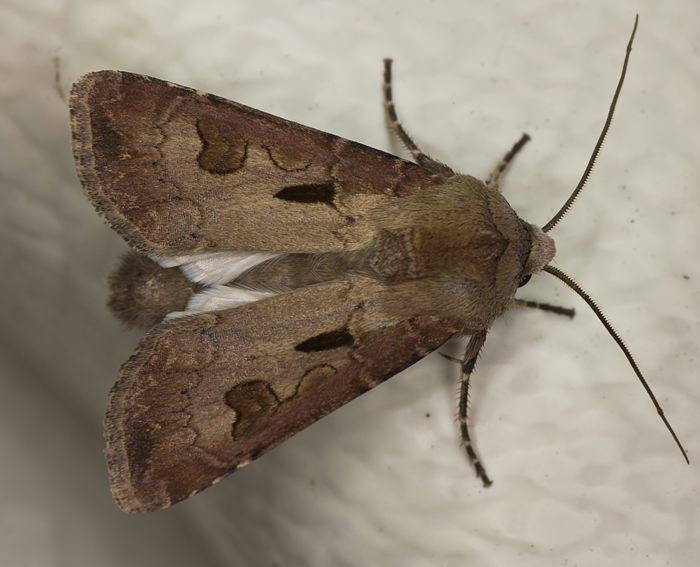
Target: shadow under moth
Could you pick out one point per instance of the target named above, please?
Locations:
(282, 272)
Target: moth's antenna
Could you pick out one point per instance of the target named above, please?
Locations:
(556, 218)
(592, 304)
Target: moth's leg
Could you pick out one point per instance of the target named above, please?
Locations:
(470, 355)
(421, 157)
(500, 168)
(518, 303)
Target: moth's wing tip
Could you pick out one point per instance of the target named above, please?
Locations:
(131, 494)
(92, 121)
(85, 81)
(81, 106)
(140, 480)
(124, 490)
(120, 477)
(83, 88)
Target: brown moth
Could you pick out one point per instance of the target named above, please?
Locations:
(283, 271)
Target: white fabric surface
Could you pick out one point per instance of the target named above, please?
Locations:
(585, 474)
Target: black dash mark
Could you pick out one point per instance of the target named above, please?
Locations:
(326, 341)
(308, 193)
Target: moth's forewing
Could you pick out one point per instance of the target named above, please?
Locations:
(174, 170)
(206, 394)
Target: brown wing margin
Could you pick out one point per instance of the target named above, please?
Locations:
(207, 394)
(174, 170)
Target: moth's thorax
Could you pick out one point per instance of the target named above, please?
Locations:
(462, 242)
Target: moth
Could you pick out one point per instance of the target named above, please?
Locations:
(281, 272)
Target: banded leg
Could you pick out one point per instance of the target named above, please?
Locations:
(557, 309)
(421, 158)
(470, 355)
(503, 164)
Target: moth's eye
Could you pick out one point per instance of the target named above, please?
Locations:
(524, 280)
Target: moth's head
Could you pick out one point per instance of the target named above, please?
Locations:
(542, 250)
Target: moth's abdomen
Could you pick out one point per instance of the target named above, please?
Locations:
(142, 293)
(292, 271)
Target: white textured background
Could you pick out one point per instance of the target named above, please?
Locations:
(585, 473)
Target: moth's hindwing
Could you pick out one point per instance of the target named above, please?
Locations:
(174, 170)
(206, 394)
